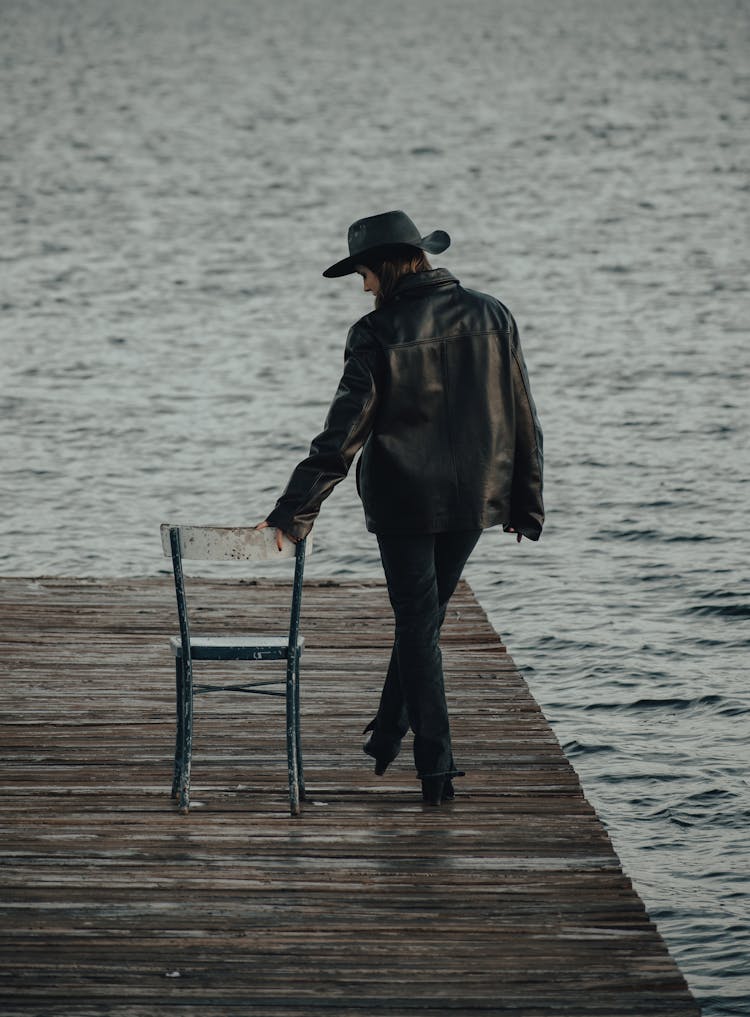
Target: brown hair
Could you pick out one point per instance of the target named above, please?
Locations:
(392, 263)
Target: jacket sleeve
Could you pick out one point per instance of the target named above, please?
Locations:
(527, 506)
(347, 425)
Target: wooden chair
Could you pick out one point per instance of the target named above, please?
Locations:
(218, 543)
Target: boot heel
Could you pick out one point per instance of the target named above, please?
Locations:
(382, 759)
(436, 790)
(432, 790)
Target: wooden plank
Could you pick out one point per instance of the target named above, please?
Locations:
(510, 900)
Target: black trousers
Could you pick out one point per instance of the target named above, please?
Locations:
(422, 571)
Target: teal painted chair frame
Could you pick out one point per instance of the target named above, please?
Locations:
(215, 543)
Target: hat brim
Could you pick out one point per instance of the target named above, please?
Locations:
(434, 243)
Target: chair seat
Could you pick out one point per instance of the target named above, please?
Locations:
(249, 647)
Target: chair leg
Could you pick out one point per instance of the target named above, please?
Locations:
(297, 737)
(179, 727)
(291, 737)
(187, 735)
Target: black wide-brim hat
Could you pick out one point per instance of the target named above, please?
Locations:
(388, 229)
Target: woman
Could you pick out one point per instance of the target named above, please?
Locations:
(435, 391)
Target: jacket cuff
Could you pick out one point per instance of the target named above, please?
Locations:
(281, 519)
(530, 531)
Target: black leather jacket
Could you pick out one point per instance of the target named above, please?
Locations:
(435, 388)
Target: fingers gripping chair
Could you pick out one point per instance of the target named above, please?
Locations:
(217, 543)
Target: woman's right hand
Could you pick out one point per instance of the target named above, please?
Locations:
(279, 535)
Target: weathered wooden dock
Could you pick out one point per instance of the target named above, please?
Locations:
(510, 900)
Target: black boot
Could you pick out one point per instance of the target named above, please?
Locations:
(383, 758)
(382, 754)
(432, 790)
(436, 790)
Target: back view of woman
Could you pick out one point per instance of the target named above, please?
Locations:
(436, 394)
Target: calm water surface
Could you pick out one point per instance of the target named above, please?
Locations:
(173, 178)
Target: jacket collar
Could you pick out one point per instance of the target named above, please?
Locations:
(420, 280)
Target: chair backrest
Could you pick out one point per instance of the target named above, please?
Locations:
(228, 543)
(231, 543)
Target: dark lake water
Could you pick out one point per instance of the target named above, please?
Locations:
(174, 176)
